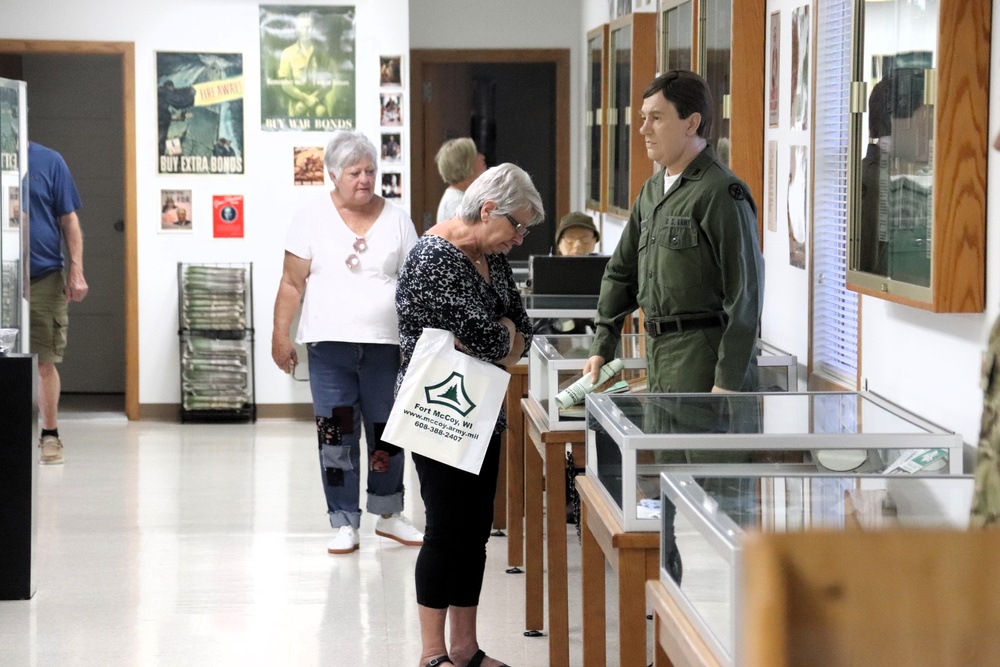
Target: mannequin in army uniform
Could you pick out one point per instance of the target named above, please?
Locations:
(689, 255)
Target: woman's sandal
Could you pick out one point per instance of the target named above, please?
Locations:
(477, 660)
(440, 660)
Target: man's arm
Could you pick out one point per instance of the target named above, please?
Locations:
(76, 285)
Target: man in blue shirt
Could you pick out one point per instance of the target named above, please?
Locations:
(53, 202)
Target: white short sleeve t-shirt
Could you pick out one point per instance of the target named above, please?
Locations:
(351, 305)
(448, 206)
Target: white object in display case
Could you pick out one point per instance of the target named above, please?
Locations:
(631, 439)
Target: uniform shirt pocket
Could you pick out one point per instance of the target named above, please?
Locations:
(676, 241)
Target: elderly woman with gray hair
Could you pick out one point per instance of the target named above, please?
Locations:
(457, 278)
(459, 162)
(343, 253)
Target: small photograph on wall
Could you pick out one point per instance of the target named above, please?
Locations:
(392, 109)
(774, 71)
(309, 168)
(227, 216)
(307, 70)
(392, 185)
(392, 151)
(800, 68)
(390, 73)
(772, 186)
(12, 213)
(175, 211)
(798, 205)
(200, 112)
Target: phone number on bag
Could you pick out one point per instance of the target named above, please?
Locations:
(437, 431)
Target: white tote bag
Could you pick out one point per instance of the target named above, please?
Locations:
(447, 404)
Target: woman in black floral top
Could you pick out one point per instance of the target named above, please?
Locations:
(457, 278)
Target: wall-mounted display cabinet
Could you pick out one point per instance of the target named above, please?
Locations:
(724, 42)
(14, 216)
(597, 102)
(919, 140)
(631, 66)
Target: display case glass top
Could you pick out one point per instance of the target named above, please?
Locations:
(13, 210)
(918, 153)
(631, 439)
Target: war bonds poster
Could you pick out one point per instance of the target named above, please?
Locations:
(200, 112)
(307, 67)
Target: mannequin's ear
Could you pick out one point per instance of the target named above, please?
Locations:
(693, 123)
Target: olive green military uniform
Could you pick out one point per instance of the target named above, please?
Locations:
(986, 499)
(691, 260)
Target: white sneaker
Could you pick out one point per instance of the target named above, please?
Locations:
(345, 541)
(398, 527)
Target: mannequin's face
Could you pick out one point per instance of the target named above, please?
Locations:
(577, 241)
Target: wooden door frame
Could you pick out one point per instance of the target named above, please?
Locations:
(559, 57)
(126, 52)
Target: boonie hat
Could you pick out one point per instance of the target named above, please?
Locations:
(576, 219)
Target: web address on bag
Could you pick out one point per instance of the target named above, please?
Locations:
(440, 423)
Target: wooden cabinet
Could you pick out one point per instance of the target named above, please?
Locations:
(631, 67)
(919, 142)
(597, 103)
(724, 42)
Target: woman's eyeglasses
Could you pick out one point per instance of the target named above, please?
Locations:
(519, 229)
(353, 261)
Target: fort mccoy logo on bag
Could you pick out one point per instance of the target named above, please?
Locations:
(451, 393)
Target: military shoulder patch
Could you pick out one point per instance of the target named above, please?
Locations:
(736, 192)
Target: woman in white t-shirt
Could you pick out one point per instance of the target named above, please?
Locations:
(343, 253)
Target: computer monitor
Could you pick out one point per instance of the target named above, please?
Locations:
(556, 274)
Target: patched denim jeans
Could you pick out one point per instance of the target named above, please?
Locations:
(351, 383)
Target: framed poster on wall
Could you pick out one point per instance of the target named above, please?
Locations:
(200, 112)
(307, 78)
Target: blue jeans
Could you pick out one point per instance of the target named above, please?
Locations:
(351, 382)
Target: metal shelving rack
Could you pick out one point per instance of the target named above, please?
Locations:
(215, 311)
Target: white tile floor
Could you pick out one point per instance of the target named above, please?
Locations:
(193, 545)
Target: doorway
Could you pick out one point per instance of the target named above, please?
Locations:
(513, 103)
(102, 356)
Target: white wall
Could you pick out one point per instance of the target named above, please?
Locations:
(270, 198)
(785, 322)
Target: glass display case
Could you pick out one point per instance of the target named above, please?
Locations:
(917, 192)
(631, 67)
(597, 101)
(676, 47)
(555, 362)
(631, 439)
(14, 216)
(722, 41)
(777, 370)
(714, 513)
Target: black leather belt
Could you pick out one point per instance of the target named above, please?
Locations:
(679, 323)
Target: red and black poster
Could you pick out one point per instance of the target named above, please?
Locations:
(227, 216)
